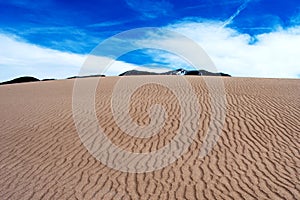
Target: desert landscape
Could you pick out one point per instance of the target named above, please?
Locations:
(256, 156)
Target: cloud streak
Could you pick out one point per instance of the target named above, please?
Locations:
(237, 12)
(106, 24)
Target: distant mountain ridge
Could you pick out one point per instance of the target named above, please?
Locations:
(174, 72)
(26, 79)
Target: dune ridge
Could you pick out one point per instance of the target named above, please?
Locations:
(256, 157)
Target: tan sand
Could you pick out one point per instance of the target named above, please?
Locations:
(256, 157)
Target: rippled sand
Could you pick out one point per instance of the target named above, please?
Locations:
(256, 157)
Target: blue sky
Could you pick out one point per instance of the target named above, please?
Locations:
(51, 38)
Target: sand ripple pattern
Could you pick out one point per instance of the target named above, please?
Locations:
(256, 157)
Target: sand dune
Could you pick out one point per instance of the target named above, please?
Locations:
(256, 157)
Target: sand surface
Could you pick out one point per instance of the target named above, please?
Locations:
(256, 157)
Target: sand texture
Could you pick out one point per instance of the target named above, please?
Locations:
(256, 156)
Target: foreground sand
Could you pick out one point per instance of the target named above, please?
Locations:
(256, 157)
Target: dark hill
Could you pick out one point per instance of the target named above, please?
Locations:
(24, 79)
(88, 76)
(137, 72)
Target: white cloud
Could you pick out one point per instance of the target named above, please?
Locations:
(104, 65)
(274, 54)
(119, 67)
(113, 67)
(18, 58)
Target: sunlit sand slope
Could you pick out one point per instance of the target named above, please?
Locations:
(256, 156)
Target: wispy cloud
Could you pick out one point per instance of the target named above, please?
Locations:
(106, 24)
(167, 60)
(151, 8)
(295, 20)
(67, 38)
(237, 12)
